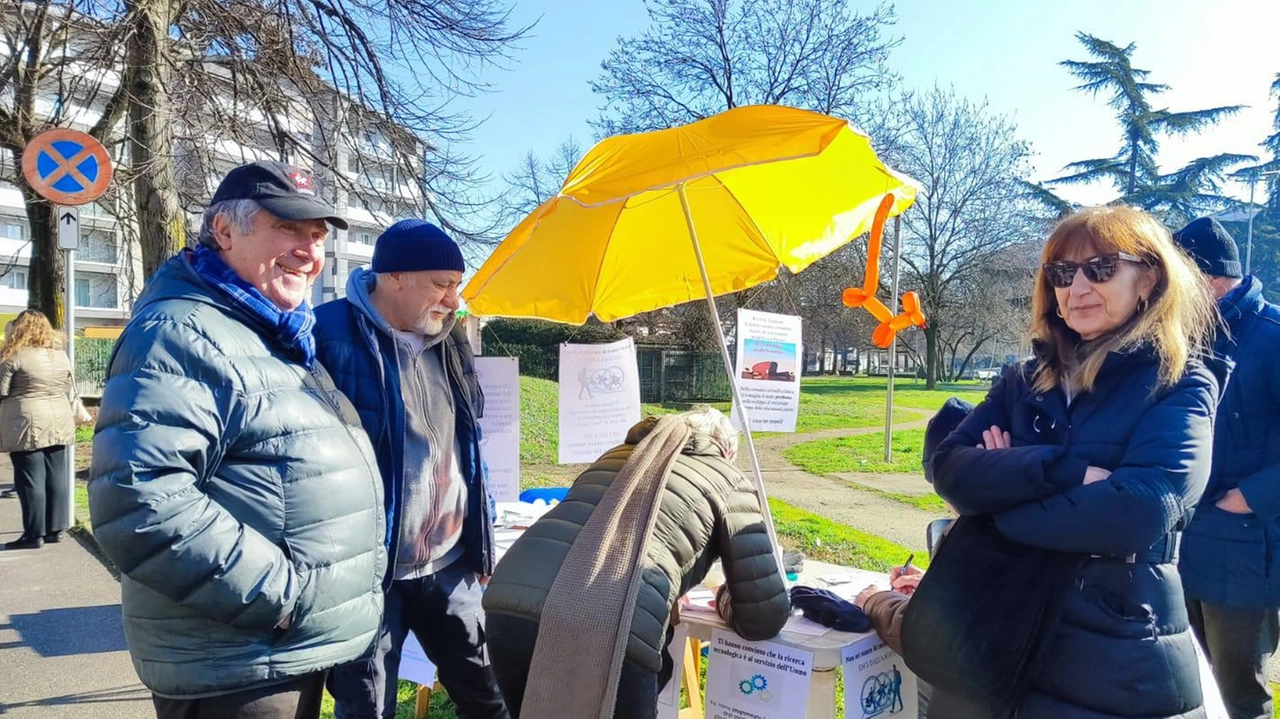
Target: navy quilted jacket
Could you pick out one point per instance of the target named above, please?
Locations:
(1123, 647)
(1231, 559)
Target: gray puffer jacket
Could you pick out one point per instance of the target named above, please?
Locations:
(708, 511)
(234, 489)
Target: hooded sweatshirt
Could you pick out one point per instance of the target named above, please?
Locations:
(433, 501)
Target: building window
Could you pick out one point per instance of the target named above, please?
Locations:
(14, 231)
(15, 279)
(82, 292)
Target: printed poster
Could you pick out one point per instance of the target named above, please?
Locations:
(877, 683)
(414, 665)
(756, 680)
(669, 697)
(599, 398)
(768, 372)
(500, 426)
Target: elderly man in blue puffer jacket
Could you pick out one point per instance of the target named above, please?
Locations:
(232, 484)
(1229, 554)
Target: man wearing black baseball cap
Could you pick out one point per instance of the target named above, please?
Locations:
(1231, 579)
(232, 483)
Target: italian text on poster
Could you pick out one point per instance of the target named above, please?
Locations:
(769, 366)
(599, 398)
(877, 683)
(756, 680)
(669, 696)
(500, 426)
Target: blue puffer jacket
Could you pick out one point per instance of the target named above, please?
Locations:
(234, 489)
(1231, 559)
(1123, 647)
(363, 362)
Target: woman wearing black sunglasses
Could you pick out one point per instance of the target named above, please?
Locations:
(1099, 447)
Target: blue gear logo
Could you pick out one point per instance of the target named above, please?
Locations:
(757, 685)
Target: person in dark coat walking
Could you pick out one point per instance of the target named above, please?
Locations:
(1100, 445)
(1229, 553)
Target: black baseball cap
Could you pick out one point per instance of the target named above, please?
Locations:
(283, 190)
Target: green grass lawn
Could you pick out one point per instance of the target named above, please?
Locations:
(860, 453)
(825, 403)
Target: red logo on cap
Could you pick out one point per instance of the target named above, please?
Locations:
(302, 182)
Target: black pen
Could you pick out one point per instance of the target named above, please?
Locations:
(907, 565)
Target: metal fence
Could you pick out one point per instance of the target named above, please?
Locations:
(92, 356)
(681, 376)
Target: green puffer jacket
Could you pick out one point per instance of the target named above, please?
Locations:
(709, 511)
(234, 489)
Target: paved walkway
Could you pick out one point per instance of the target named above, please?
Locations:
(830, 496)
(62, 650)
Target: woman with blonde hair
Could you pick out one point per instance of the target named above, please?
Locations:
(36, 425)
(1094, 452)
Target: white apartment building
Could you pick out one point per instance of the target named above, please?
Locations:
(376, 189)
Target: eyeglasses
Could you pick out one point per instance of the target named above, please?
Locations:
(1097, 269)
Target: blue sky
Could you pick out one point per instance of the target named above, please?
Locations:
(1219, 53)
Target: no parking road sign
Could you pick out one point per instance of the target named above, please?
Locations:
(66, 167)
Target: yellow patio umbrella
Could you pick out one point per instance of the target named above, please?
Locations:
(657, 219)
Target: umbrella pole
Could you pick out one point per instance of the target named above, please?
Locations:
(757, 476)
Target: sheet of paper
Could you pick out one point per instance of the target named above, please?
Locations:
(756, 680)
(877, 682)
(768, 371)
(669, 697)
(499, 379)
(599, 398)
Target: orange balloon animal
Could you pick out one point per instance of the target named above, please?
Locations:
(865, 296)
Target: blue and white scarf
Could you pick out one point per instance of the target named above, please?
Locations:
(291, 329)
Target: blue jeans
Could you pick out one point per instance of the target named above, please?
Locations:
(443, 611)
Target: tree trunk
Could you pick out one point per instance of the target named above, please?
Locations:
(161, 227)
(45, 282)
(933, 358)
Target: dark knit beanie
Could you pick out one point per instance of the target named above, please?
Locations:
(1209, 244)
(413, 246)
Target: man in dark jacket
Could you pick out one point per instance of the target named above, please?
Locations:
(394, 349)
(231, 483)
(1229, 551)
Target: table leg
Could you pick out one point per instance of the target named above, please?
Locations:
(822, 694)
(692, 679)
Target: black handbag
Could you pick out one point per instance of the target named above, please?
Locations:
(983, 613)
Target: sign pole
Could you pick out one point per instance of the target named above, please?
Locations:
(893, 349)
(68, 168)
(68, 241)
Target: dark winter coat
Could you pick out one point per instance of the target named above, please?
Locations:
(1122, 647)
(708, 511)
(364, 365)
(1234, 559)
(234, 489)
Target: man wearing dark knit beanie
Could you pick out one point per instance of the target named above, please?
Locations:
(395, 350)
(1231, 580)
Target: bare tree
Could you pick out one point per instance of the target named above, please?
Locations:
(972, 205)
(536, 179)
(58, 50)
(700, 57)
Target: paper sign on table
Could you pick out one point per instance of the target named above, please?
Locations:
(756, 680)
(499, 379)
(877, 682)
(599, 398)
(669, 697)
(414, 665)
(768, 372)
